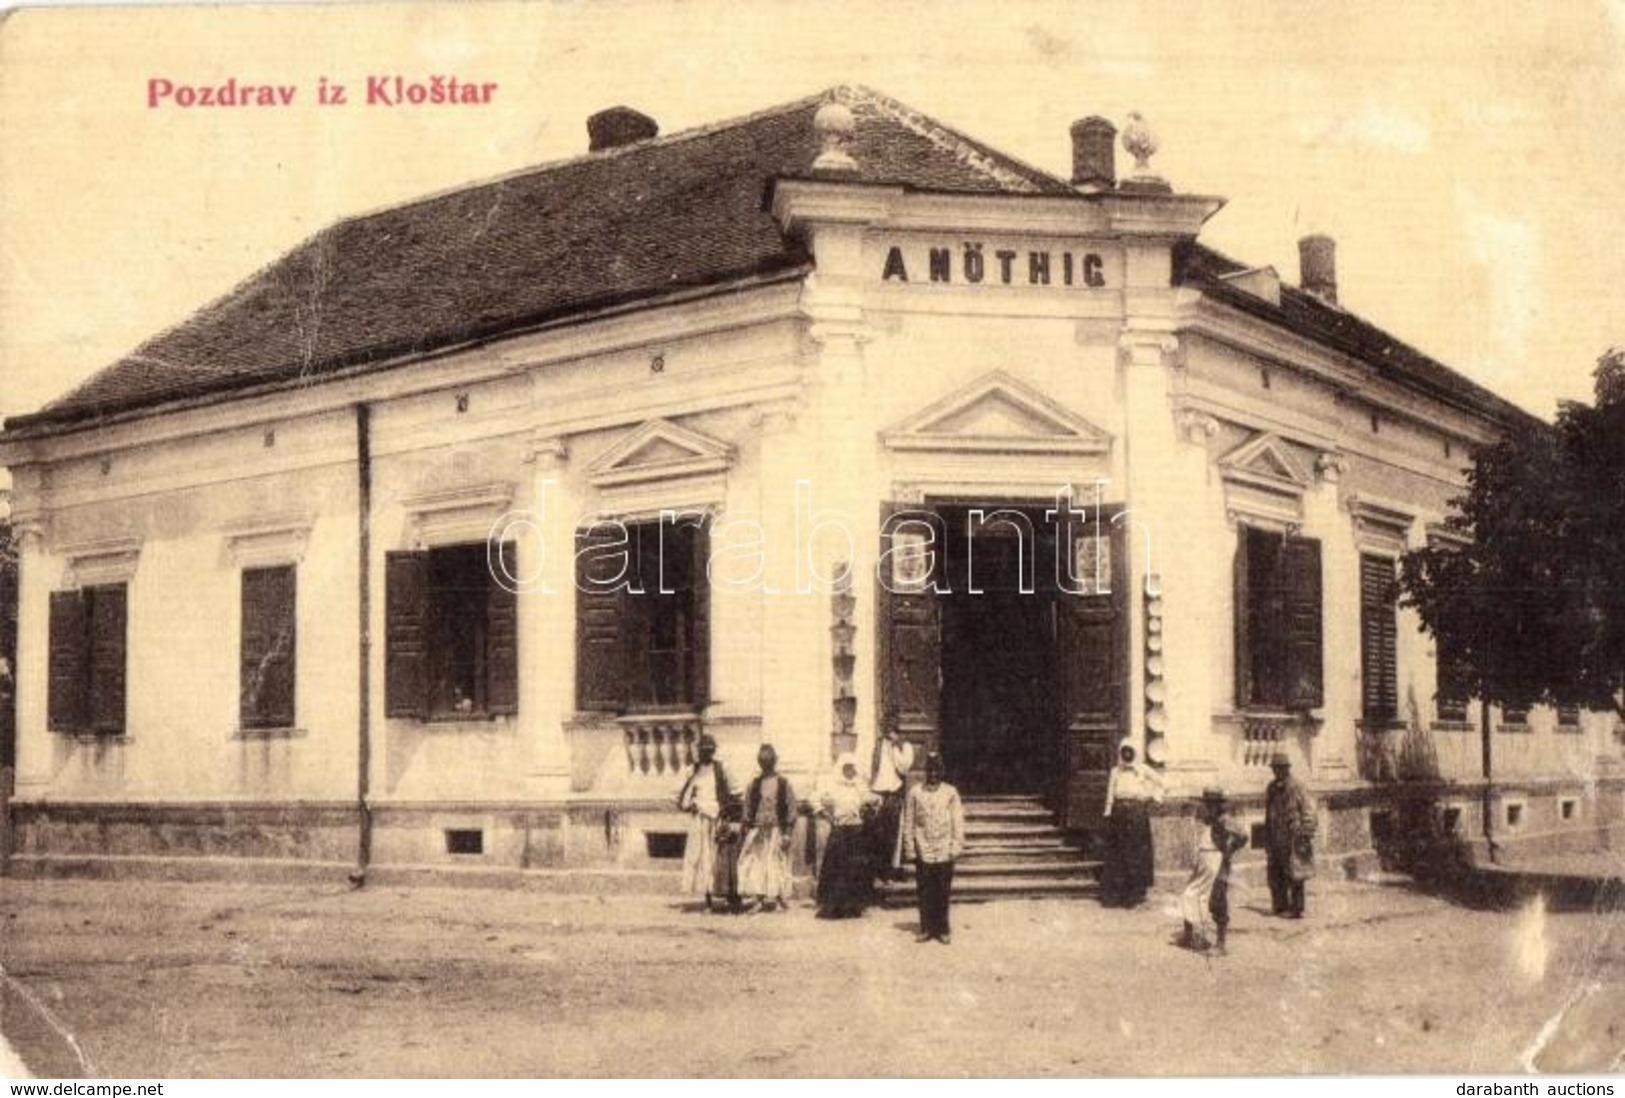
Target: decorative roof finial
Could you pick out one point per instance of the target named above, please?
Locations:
(835, 125)
(1141, 144)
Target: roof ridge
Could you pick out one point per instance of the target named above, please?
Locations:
(969, 151)
(705, 130)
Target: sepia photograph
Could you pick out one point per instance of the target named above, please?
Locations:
(695, 540)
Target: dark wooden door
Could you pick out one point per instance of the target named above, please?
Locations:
(1091, 652)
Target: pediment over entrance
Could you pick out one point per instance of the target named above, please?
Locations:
(659, 450)
(998, 414)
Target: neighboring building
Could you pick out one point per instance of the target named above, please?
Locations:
(1099, 482)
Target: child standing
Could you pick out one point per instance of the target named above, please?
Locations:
(1207, 895)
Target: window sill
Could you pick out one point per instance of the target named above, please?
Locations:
(90, 735)
(465, 718)
(1450, 726)
(1570, 729)
(1514, 729)
(276, 733)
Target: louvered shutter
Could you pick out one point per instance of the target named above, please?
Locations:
(406, 634)
(266, 685)
(603, 567)
(1301, 622)
(699, 640)
(69, 674)
(1242, 626)
(107, 656)
(502, 638)
(1092, 664)
(1379, 629)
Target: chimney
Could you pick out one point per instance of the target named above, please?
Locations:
(1317, 267)
(617, 126)
(1094, 156)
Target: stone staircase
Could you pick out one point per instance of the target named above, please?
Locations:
(1013, 850)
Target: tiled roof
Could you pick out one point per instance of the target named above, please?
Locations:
(607, 229)
(1307, 315)
(622, 225)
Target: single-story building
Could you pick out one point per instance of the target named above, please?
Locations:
(441, 539)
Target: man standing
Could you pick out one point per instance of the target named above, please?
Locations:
(1289, 836)
(894, 758)
(933, 836)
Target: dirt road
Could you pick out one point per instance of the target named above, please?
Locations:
(168, 980)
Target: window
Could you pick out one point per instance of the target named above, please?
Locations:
(1278, 621)
(1568, 718)
(642, 616)
(1514, 814)
(1515, 716)
(265, 685)
(1568, 808)
(1450, 700)
(1379, 632)
(452, 633)
(86, 662)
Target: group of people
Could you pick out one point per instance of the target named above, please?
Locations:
(739, 847)
(1127, 874)
(738, 853)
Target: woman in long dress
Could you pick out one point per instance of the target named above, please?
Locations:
(769, 822)
(846, 879)
(1130, 792)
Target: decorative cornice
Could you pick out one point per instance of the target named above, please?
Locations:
(270, 540)
(454, 515)
(109, 561)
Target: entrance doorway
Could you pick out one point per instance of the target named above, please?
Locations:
(1002, 725)
(1019, 681)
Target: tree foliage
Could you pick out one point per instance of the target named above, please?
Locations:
(1531, 601)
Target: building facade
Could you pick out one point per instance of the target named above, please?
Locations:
(440, 541)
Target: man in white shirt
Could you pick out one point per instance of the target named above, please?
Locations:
(894, 758)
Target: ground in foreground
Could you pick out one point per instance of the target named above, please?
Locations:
(147, 979)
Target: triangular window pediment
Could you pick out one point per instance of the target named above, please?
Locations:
(1266, 461)
(998, 414)
(659, 450)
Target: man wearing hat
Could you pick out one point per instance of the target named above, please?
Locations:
(1206, 899)
(1289, 838)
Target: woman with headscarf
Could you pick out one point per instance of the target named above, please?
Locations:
(769, 822)
(846, 879)
(1130, 792)
(708, 799)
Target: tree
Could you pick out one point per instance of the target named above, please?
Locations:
(1530, 604)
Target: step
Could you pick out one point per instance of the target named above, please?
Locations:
(1012, 814)
(981, 890)
(1010, 852)
(965, 869)
(1000, 831)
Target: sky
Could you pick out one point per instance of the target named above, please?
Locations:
(1468, 158)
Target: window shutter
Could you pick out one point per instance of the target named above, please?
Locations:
(68, 673)
(502, 640)
(1243, 651)
(107, 655)
(1300, 568)
(699, 641)
(601, 611)
(266, 687)
(406, 637)
(1379, 675)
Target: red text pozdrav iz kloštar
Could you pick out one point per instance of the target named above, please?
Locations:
(389, 90)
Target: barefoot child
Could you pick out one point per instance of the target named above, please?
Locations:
(1208, 893)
